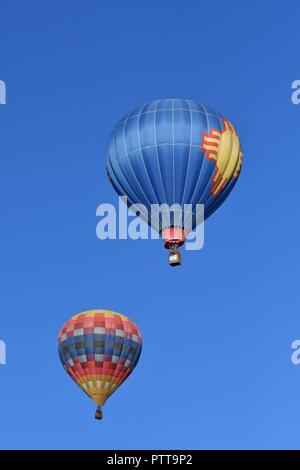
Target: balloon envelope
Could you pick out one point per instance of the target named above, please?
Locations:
(174, 151)
(99, 349)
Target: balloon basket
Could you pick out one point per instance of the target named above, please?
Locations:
(174, 258)
(98, 414)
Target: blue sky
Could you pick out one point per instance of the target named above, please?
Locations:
(215, 371)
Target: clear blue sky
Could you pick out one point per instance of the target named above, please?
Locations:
(215, 370)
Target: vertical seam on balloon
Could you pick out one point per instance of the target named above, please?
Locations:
(114, 377)
(173, 148)
(190, 150)
(114, 354)
(158, 161)
(121, 170)
(94, 348)
(145, 214)
(105, 352)
(127, 156)
(89, 367)
(80, 379)
(127, 370)
(141, 151)
(89, 375)
(124, 373)
(117, 161)
(112, 381)
(200, 172)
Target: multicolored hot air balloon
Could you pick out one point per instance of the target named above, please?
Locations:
(174, 152)
(99, 349)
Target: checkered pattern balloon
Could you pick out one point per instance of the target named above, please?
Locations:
(99, 349)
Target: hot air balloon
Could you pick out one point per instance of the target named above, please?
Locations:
(174, 152)
(99, 349)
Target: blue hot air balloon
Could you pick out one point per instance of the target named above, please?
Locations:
(170, 153)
